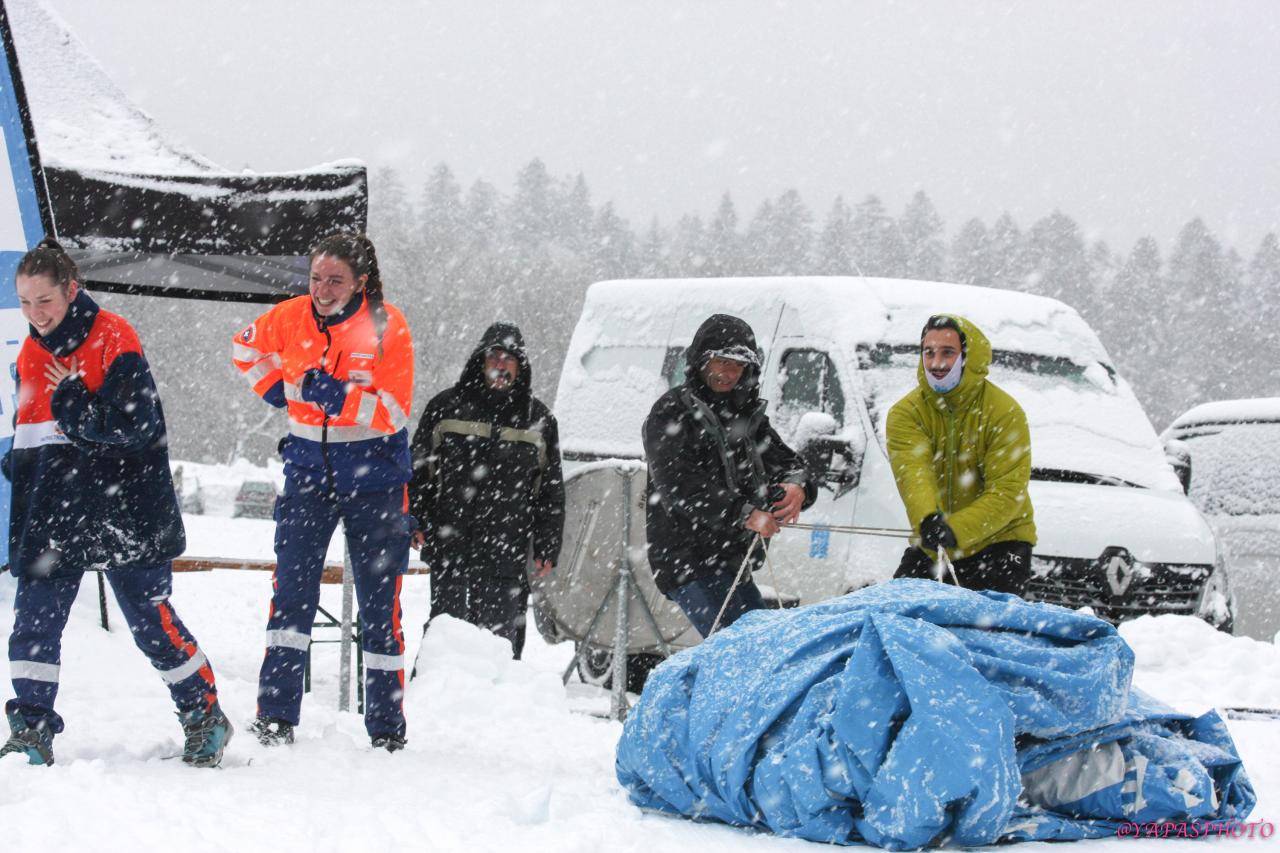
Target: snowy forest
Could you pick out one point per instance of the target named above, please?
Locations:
(1184, 323)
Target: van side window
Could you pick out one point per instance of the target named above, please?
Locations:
(808, 382)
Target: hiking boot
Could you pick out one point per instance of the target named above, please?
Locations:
(272, 731)
(391, 743)
(208, 731)
(35, 742)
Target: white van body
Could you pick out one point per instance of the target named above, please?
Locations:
(1116, 532)
(1234, 450)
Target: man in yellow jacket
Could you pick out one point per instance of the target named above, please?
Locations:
(960, 450)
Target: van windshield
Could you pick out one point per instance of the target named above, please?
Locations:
(1086, 426)
(1234, 469)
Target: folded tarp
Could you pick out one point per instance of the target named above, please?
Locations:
(912, 714)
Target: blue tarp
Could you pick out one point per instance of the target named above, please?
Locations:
(911, 714)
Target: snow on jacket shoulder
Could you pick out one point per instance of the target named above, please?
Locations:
(966, 454)
(90, 460)
(360, 443)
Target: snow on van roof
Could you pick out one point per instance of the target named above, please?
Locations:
(853, 310)
(1250, 410)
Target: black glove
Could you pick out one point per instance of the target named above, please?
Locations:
(935, 533)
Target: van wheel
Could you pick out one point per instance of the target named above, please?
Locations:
(595, 667)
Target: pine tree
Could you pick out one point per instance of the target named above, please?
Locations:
(971, 261)
(723, 241)
(922, 235)
(1263, 286)
(1008, 262)
(391, 224)
(688, 256)
(1056, 261)
(790, 235)
(613, 249)
(834, 248)
(878, 248)
(654, 252)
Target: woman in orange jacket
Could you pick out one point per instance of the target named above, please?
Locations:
(340, 360)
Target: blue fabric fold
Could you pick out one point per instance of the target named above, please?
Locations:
(913, 713)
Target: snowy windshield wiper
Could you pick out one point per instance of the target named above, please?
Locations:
(1062, 475)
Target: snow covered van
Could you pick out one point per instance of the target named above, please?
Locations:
(1233, 447)
(1116, 531)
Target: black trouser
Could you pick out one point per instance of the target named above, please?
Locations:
(1002, 566)
(495, 603)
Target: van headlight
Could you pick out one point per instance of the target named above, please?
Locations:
(1217, 604)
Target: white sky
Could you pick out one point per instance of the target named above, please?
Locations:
(1131, 117)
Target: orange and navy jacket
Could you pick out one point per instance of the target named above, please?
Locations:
(363, 448)
(90, 460)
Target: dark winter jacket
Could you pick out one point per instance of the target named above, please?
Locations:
(487, 486)
(712, 459)
(90, 460)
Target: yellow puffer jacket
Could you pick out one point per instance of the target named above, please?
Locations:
(966, 454)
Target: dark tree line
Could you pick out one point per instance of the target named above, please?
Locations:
(1184, 327)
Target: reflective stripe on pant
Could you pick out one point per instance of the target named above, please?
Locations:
(40, 611)
(377, 531)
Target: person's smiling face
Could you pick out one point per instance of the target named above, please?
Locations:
(939, 350)
(333, 284)
(43, 302)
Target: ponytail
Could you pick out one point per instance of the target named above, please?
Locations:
(49, 258)
(358, 252)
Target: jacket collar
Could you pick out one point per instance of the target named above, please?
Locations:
(73, 330)
(348, 311)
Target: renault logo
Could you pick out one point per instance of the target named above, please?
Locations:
(1118, 568)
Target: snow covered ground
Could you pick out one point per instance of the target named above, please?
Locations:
(500, 755)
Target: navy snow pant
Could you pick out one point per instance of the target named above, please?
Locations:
(702, 598)
(377, 531)
(40, 613)
(493, 602)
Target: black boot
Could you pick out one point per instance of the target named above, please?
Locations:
(271, 731)
(35, 742)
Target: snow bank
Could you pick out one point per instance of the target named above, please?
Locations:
(498, 759)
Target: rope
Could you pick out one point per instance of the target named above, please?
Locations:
(737, 580)
(773, 578)
(944, 566)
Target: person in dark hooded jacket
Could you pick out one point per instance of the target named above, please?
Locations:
(719, 476)
(487, 488)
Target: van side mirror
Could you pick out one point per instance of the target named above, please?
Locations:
(1178, 455)
(832, 460)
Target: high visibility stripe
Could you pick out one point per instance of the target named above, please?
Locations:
(262, 370)
(367, 408)
(289, 640)
(385, 663)
(335, 434)
(240, 352)
(293, 393)
(459, 427)
(528, 436)
(38, 435)
(171, 631)
(34, 670)
(188, 669)
(399, 417)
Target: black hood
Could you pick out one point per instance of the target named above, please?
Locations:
(505, 336)
(732, 336)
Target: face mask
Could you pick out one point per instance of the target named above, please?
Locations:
(948, 382)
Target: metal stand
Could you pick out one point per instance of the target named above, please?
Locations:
(344, 655)
(102, 601)
(622, 595)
